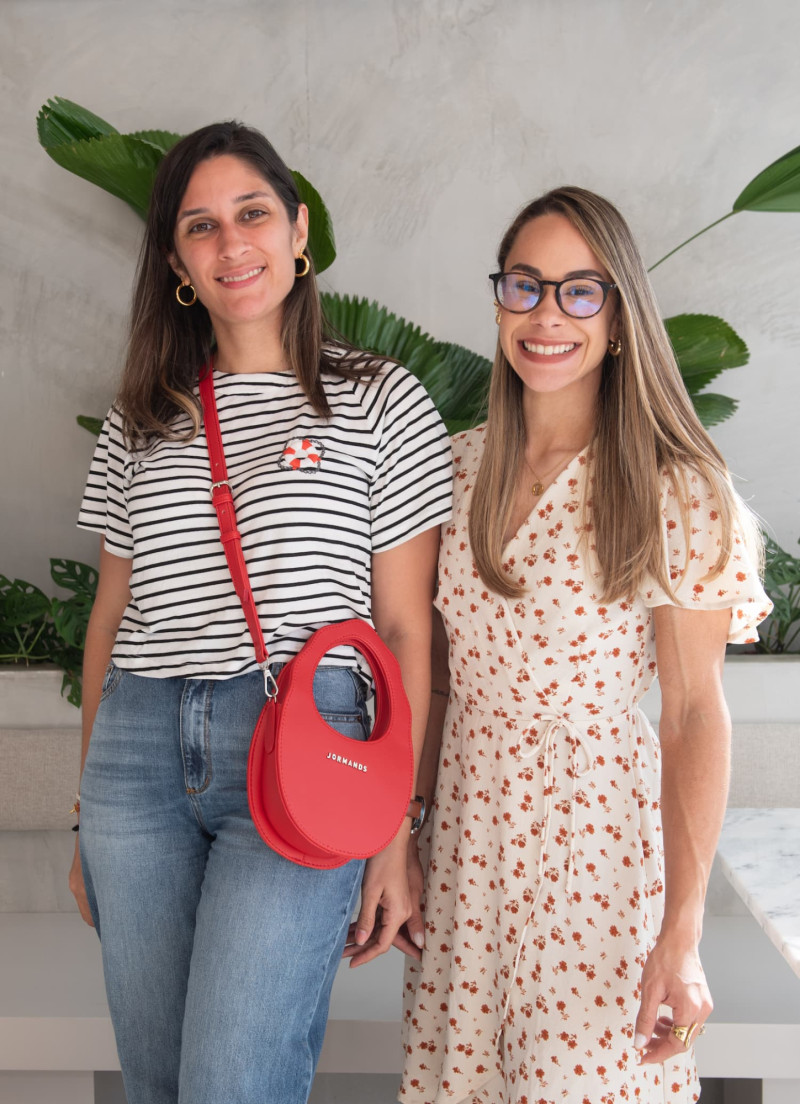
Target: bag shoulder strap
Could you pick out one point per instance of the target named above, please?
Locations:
(222, 500)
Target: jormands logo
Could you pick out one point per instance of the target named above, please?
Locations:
(354, 763)
(302, 454)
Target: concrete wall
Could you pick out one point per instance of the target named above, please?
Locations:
(425, 124)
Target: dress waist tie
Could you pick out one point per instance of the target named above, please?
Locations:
(554, 722)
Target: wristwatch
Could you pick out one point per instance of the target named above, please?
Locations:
(416, 810)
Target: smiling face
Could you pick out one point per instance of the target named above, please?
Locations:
(550, 350)
(234, 242)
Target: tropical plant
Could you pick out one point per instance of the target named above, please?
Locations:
(38, 629)
(125, 165)
(781, 631)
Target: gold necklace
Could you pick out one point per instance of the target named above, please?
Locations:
(537, 489)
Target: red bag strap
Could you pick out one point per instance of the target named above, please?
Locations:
(222, 500)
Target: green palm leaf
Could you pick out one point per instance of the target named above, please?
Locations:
(712, 409)
(776, 188)
(455, 378)
(93, 425)
(124, 166)
(704, 345)
(61, 121)
(367, 325)
(321, 243)
(460, 387)
(163, 140)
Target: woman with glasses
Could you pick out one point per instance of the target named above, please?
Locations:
(596, 540)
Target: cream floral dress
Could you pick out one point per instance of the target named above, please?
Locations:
(545, 878)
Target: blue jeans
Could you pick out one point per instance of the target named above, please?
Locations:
(219, 955)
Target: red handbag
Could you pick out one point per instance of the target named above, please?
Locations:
(316, 797)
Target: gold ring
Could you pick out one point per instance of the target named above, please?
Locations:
(687, 1034)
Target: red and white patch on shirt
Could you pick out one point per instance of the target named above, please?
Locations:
(302, 454)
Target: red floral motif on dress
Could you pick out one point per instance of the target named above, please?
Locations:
(545, 868)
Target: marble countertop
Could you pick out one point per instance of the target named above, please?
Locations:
(759, 852)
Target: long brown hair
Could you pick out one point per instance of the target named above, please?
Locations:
(169, 344)
(645, 424)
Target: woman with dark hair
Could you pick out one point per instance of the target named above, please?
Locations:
(596, 539)
(219, 955)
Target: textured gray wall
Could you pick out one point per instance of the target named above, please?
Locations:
(425, 124)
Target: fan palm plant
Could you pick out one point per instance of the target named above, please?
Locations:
(457, 379)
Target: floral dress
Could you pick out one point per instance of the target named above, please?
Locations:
(544, 888)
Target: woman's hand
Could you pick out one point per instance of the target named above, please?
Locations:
(672, 976)
(77, 887)
(410, 939)
(385, 903)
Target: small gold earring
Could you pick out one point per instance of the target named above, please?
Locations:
(614, 346)
(497, 312)
(306, 263)
(185, 302)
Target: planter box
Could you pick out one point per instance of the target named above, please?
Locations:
(759, 689)
(30, 697)
(40, 746)
(763, 696)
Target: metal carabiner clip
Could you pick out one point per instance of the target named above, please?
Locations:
(270, 685)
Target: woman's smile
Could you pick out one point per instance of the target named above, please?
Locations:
(547, 348)
(239, 279)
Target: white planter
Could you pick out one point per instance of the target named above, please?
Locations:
(759, 689)
(40, 740)
(30, 697)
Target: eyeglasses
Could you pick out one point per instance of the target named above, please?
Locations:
(580, 297)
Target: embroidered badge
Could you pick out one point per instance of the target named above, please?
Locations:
(302, 454)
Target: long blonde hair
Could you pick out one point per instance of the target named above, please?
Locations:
(645, 424)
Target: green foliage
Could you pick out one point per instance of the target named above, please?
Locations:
(705, 346)
(38, 629)
(777, 188)
(123, 164)
(126, 164)
(781, 631)
(712, 409)
(321, 243)
(456, 378)
(93, 425)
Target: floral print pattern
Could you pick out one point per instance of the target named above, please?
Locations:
(545, 880)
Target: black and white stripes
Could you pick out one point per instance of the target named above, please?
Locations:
(314, 500)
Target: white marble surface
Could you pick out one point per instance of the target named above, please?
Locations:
(759, 853)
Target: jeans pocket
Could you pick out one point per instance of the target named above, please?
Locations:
(111, 680)
(347, 724)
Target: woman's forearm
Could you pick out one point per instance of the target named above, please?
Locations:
(695, 769)
(113, 595)
(96, 655)
(440, 682)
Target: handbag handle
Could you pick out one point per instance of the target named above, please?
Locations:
(222, 500)
(383, 665)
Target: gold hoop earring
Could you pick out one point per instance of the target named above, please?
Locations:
(306, 263)
(497, 312)
(614, 346)
(185, 302)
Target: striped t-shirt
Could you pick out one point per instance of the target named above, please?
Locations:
(314, 498)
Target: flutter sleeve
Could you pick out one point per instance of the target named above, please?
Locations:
(691, 553)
